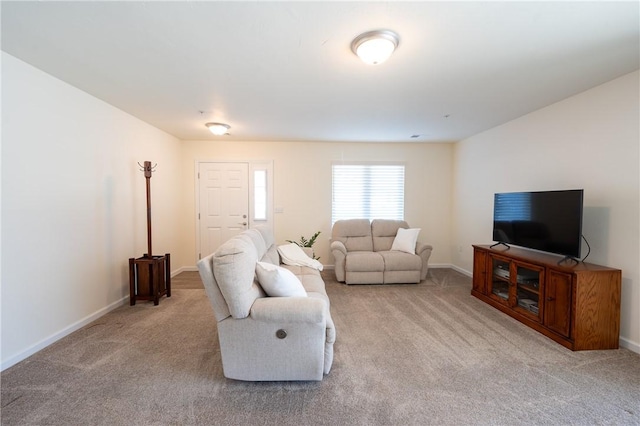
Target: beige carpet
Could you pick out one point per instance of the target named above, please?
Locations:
(406, 354)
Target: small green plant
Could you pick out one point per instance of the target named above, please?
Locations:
(307, 243)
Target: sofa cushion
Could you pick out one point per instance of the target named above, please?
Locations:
(278, 282)
(271, 255)
(384, 231)
(257, 240)
(367, 261)
(302, 270)
(401, 261)
(406, 240)
(267, 235)
(310, 278)
(234, 270)
(365, 277)
(355, 234)
(401, 277)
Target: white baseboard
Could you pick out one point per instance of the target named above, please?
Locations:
(629, 344)
(462, 271)
(450, 266)
(184, 269)
(62, 333)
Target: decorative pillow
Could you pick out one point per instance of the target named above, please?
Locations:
(406, 240)
(277, 281)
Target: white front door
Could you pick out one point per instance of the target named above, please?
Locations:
(223, 203)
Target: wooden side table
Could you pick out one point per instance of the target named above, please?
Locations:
(149, 278)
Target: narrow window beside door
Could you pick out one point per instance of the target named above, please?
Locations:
(259, 195)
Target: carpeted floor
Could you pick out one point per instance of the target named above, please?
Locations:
(427, 354)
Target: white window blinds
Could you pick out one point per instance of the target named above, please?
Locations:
(367, 191)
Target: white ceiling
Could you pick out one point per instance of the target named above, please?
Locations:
(285, 71)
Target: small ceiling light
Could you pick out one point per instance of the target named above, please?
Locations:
(375, 47)
(218, 129)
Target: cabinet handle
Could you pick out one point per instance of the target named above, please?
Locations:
(551, 299)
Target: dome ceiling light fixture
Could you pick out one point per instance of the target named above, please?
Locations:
(218, 129)
(375, 47)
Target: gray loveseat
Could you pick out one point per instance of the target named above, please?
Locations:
(363, 255)
(266, 338)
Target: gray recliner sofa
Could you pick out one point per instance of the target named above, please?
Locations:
(363, 255)
(266, 338)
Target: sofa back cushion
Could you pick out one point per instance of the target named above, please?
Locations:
(271, 251)
(218, 303)
(234, 266)
(267, 235)
(271, 256)
(384, 232)
(257, 240)
(355, 234)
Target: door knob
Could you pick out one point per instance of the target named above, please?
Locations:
(242, 223)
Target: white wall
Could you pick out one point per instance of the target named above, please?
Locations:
(588, 141)
(73, 206)
(302, 176)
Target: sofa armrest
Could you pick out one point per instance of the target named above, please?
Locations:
(421, 247)
(339, 246)
(339, 252)
(424, 251)
(289, 310)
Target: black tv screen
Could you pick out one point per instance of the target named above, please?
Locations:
(549, 221)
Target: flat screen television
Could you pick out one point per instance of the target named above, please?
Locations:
(549, 221)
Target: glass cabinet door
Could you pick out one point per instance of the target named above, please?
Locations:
(500, 279)
(528, 290)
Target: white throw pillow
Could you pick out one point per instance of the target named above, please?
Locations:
(277, 281)
(406, 240)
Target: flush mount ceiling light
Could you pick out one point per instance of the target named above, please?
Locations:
(375, 47)
(218, 129)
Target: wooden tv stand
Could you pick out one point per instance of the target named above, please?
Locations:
(575, 304)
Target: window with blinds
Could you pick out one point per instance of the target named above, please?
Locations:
(367, 191)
